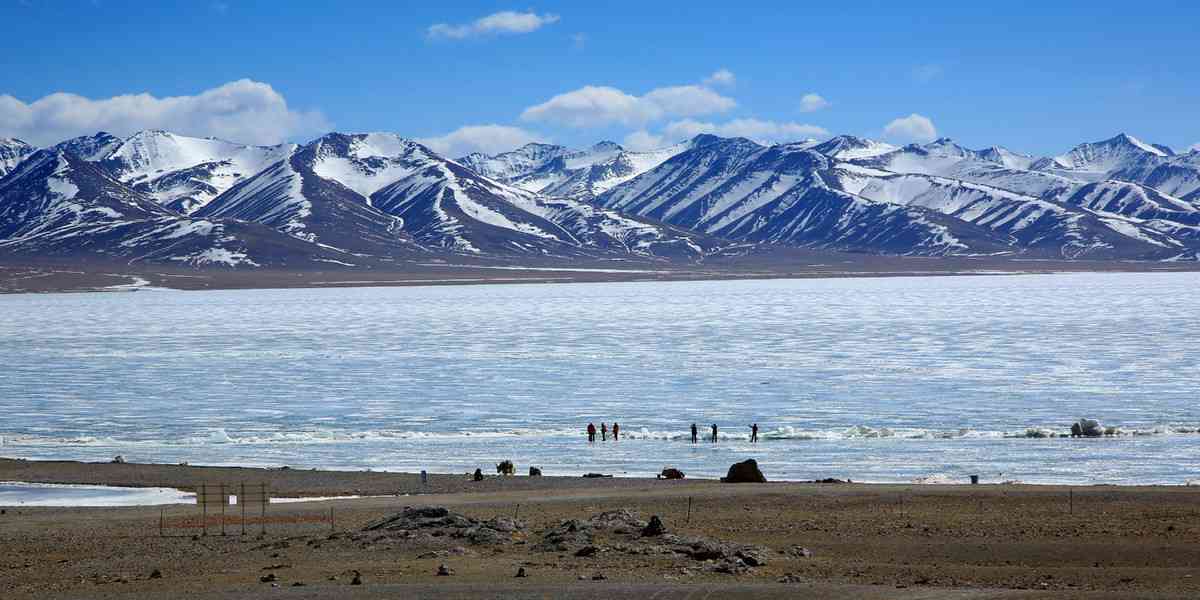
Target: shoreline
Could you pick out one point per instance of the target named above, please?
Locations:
(35, 278)
(856, 541)
(323, 482)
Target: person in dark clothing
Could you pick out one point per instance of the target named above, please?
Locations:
(591, 433)
(695, 434)
(616, 432)
(714, 430)
(754, 433)
(604, 432)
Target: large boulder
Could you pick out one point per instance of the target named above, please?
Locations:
(744, 472)
(1090, 428)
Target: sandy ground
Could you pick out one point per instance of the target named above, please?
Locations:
(866, 541)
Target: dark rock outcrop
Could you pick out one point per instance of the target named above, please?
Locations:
(744, 472)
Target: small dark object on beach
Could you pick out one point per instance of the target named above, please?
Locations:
(156, 574)
(298, 584)
(670, 473)
(521, 572)
(118, 460)
(829, 480)
(444, 571)
(599, 577)
(587, 551)
(268, 578)
(744, 472)
(595, 475)
(654, 528)
(478, 475)
(506, 468)
(357, 579)
(535, 472)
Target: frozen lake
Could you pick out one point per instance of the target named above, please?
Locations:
(886, 379)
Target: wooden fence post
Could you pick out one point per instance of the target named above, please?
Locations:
(204, 507)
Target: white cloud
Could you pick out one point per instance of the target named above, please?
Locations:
(755, 129)
(243, 111)
(913, 128)
(1195, 147)
(643, 140)
(721, 77)
(504, 22)
(813, 103)
(592, 106)
(489, 139)
(688, 101)
(927, 73)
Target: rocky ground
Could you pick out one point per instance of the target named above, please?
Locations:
(552, 537)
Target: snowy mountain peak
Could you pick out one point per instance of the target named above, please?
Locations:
(368, 145)
(849, 147)
(91, 147)
(1006, 158)
(507, 166)
(12, 152)
(606, 146)
(184, 173)
(1159, 149)
(947, 147)
(1094, 161)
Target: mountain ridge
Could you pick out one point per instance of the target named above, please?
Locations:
(359, 198)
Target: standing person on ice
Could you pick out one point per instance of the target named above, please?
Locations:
(754, 433)
(695, 434)
(714, 430)
(591, 430)
(603, 431)
(616, 432)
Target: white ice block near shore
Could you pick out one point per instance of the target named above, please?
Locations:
(16, 493)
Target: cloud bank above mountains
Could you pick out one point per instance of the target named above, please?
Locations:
(245, 110)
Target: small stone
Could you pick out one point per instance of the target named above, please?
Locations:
(268, 578)
(444, 571)
(357, 579)
(156, 574)
(587, 551)
(521, 572)
(298, 584)
(599, 577)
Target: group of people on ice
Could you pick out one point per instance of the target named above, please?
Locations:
(616, 433)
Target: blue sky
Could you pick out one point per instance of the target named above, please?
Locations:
(1032, 77)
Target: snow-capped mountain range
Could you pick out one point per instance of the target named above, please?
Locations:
(357, 200)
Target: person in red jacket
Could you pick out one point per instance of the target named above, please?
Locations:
(591, 432)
